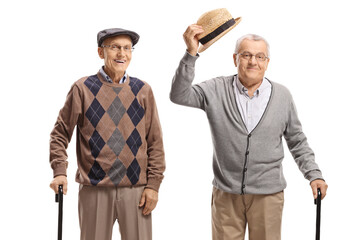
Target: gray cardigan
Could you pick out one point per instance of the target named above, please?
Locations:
(246, 163)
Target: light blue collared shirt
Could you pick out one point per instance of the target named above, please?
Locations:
(108, 79)
(252, 108)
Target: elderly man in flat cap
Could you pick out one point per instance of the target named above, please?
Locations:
(119, 144)
(248, 116)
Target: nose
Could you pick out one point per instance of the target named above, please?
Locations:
(253, 60)
(121, 52)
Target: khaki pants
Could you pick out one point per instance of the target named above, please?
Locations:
(231, 213)
(99, 207)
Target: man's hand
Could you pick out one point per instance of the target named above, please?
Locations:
(59, 180)
(190, 38)
(318, 183)
(149, 198)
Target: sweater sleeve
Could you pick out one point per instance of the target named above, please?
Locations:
(299, 147)
(63, 130)
(155, 148)
(182, 92)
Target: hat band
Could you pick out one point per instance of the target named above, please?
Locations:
(217, 31)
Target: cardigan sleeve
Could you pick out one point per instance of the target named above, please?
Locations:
(299, 147)
(182, 91)
(155, 148)
(63, 130)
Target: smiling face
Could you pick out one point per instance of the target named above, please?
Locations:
(116, 61)
(251, 71)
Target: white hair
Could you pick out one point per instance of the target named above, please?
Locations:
(253, 37)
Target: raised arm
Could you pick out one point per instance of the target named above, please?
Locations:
(182, 91)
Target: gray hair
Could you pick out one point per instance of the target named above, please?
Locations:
(253, 37)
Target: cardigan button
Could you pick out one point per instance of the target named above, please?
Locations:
(249, 136)
(247, 153)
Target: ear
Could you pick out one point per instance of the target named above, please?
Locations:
(101, 52)
(235, 59)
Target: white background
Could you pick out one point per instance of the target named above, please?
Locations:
(47, 45)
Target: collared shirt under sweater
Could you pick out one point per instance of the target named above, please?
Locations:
(251, 108)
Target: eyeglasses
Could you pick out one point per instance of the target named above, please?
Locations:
(259, 56)
(117, 48)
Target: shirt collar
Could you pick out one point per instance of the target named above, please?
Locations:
(243, 90)
(108, 79)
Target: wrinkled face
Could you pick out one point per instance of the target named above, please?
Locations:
(116, 61)
(253, 69)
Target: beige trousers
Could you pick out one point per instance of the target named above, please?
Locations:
(99, 207)
(232, 212)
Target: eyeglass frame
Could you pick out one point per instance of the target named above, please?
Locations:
(118, 47)
(253, 55)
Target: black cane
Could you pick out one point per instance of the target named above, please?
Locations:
(59, 199)
(318, 213)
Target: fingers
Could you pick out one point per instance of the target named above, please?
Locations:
(314, 190)
(59, 180)
(150, 198)
(65, 188)
(149, 206)
(190, 38)
(142, 200)
(323, 190)
(321, 184)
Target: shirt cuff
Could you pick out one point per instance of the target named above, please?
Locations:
(313, 175)
(153, 183)
(61, 170)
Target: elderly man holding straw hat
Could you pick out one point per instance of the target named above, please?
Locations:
(120, 151)
(248, 116)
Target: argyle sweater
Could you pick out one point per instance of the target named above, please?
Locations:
(119, 138)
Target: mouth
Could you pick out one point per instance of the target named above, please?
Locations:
(252, 69)
(120, 61)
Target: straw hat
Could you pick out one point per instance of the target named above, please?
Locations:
(216, 23)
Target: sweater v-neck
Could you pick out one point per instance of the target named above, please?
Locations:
(236, 110)
(113, 84)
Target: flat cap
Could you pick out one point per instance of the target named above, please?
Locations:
(111, 32)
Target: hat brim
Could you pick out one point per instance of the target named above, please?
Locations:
(133, 35)
(208, 44)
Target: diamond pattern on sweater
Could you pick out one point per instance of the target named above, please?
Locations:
(135, 85)
(117, 89)
(117, 172)
(135, 112)
(134, 141)
(93, 83)
(133, 172)
(96, 144)
(95, 112)
(116, 110)
(96, 173)
(116, 142)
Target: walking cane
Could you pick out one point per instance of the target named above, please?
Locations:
(59, 199)
(318, 213)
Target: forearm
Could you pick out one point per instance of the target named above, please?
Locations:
(58, 145)
(182, 92)
(304, 157)
(299, 147)
(156, 157)
(155, 147)
(63, 130)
